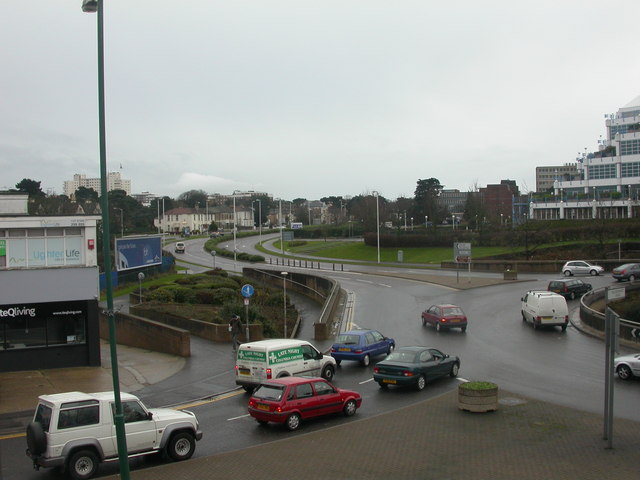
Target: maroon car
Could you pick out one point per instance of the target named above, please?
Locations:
(444, 317)
(289, 400)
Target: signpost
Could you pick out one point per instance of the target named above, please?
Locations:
(247, 292)
(462, 254)
(611, 334)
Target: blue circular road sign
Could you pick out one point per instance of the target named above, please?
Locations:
(247, 291)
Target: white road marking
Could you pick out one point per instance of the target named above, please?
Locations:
(366, 381)
(385, 285)
(237, 418)
(364, 281)
(463, 380)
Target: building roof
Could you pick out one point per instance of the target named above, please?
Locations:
(633, 103)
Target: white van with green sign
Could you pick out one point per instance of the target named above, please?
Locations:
(260, 361)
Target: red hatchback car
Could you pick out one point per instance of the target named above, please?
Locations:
(444, 317)
(289, 400)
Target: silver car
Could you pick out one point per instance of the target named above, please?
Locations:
(627, 366)
(580, 267)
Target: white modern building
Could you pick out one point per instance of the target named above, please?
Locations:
(114, 182)
(609, 179)
(49, 288)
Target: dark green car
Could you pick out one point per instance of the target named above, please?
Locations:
(415, 366)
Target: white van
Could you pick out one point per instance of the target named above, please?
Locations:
(544, 308)
(260, 361)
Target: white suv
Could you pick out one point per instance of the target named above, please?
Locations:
(75, 431)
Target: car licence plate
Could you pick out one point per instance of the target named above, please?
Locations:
(261, 406)
(389, 380)
(344, 349)
(245, 371)
(455, 320)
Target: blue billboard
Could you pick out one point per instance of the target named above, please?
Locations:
(136, 252)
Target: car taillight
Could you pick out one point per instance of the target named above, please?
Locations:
(333, 349)
(376, 369)
(407, 373)
(443, 320)
(279, 409)
(236, 370)
(566, 319)
(359, 350)
(538, 318)
(566, 289)
(269, 373)
(252, 403)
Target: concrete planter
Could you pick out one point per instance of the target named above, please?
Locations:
(510, 275)
(478, 397)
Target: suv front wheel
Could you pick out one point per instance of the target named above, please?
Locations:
(181, 446)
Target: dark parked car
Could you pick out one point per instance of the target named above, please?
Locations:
(361, 345)
(569, 287)
(415, 366)
(289, 400)
(628, 271)
(445, 317)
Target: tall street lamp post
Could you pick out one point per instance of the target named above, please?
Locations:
(280, 226)
(121, 221)
(378, 223)
(259, 221)
(235, 249)
(93, 6)
(284, 287)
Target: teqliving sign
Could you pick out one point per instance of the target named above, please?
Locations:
(17, 312)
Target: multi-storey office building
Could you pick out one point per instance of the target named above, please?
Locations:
(114, 182)
(609, 179)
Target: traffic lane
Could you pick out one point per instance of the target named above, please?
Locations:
(566, 368)
(561, 367)
(232, 428)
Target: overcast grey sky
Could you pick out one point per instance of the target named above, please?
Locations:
(311, 98)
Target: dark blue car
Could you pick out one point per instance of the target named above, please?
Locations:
(361, 345)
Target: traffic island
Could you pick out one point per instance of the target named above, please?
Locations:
(478, 397)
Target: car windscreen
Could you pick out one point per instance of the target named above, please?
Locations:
(345, 339)
(269, 392)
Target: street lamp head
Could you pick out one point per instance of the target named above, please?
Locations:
(90, 6)
(284, 273)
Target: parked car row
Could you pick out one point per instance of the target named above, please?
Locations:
(627, 271)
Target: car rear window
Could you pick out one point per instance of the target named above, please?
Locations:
(348, 339)
(269, 392)
(400, 356)
(453, 311)
(43, 416)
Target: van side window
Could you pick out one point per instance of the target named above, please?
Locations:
(307, 352)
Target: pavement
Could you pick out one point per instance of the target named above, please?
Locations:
(524, 439)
